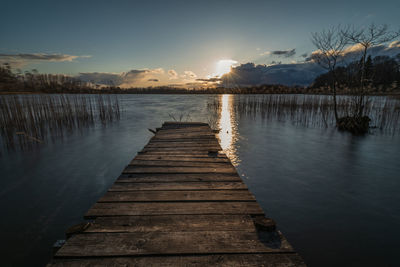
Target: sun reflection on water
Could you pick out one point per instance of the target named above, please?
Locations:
(228, 128)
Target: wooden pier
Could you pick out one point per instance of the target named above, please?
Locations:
(180, 202)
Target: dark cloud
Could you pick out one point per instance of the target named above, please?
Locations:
(304, 55)
(125, 79)
(19, 60)
(210, 80)
(135, 72)
(250, 74)
(302, 73)
(45, 57)
(273, 62)
(284, 53)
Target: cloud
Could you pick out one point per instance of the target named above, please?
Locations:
(297, 73)
(188, 74)
(157, 71)
(304, 55)
(250, 74)
(210, 80)
(273, 62)
(284, 53)
(132, 78)
(354, 52)
(19, 60)
(394, 44)
(266, 53)
(145, 78)
(173, 75)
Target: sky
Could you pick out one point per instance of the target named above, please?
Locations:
(170, 42)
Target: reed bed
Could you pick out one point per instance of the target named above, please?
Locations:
(28, 120)
(314, 110)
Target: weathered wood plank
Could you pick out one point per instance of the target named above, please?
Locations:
(178, 163)
(162, 243)
(172, 208)
(181, 158)
(180, 149)
(128, 186)
(189, 131)
(201, 149)
(157, 196)
(192, 137)
(169, 223)
(223, 260)
(201, 154)
(150, 169)
(184, 123)
(182, 140)
(184, 136)
(186, 130)
(167, 178)
(181, 145)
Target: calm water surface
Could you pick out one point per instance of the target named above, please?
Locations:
(335, 196)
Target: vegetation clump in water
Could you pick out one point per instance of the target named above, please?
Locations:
(355, 125)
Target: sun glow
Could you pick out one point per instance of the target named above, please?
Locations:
(223, 66)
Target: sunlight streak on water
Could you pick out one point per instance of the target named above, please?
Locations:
(228, 135)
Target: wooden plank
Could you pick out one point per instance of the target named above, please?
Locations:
(182, 140)
(157, 196)
(186, 142)
(185, 137)
(181, 149)
(168, 178)
(222, 260)
(207, 145)
(172, 208)
(190, 132)
(200, 154)
(178, 163)
(128, 186)
(145, 169)
(168, 223)
(201, 138)
(162, 243)
(185, 123)
(181, 158)
(185, 130)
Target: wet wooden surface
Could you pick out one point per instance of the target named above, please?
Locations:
(179, 202)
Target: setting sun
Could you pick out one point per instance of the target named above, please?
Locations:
(223, 66)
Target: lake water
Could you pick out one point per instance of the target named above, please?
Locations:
(334, 196)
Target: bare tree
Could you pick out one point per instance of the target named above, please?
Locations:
(366, 38)
(330, 44)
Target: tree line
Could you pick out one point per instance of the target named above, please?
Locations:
(35, 82)
(382, 75)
